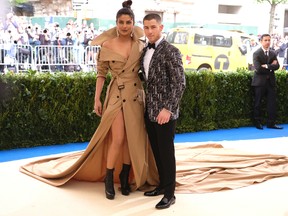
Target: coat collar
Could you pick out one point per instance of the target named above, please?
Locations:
(137, 45)
(112, 33)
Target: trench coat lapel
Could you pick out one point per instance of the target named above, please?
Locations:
(137, 45)
(135, 54)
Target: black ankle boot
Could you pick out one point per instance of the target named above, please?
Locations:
(124, 178)
(109, 184)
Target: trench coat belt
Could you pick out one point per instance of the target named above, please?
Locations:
(120, 82)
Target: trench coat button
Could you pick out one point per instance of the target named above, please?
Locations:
(124, 100)
(123, 71)
(134, 99)
(135, 84)
(133, 69)
(113, 61)
(117, 96)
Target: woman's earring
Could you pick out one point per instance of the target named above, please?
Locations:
(117, 32)
(132, 33)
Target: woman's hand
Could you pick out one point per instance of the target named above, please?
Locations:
(98, 107)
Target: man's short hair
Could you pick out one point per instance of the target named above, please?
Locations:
(264, 35)
(152, 16)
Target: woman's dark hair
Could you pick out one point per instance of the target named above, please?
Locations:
(126, 10)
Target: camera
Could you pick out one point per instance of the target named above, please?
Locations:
(45, 31)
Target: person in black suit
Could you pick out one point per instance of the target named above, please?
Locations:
(264, 82)
(162, 69)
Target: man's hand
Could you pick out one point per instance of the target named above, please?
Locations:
(264, 66)
(163, 117)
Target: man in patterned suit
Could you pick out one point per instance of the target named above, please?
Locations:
(162, 69)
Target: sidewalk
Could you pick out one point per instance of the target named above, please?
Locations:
(23, 195)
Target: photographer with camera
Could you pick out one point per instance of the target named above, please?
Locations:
(11, 23)
(33, 38)
(44, 37)
(78, 48)
(43, 55)
(10, 41)
(55, 34)
(68, 43)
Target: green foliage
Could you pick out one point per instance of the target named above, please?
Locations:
(17, 2)
(282, 96)
(273, 2)
(233, 99)
(45, 109)
(197, 106)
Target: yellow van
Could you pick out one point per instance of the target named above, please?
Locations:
(207, 49)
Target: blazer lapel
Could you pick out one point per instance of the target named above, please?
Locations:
(151, 65)
(155, 59)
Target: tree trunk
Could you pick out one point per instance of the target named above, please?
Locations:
(272, 18)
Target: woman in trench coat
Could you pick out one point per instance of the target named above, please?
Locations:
(120, 141)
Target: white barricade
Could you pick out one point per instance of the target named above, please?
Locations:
(66, 58)
(50, 58)
(17, 58)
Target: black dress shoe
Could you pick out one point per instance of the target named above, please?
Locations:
(155, 192)
(259, 126)
(274, 126)
(165, 203)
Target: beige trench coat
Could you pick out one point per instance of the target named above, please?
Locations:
(124, 93)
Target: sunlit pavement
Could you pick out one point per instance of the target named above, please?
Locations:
(22, 195)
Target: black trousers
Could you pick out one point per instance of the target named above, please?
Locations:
(161, 138)
(270, 92)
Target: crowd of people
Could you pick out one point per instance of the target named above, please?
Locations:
(280, 44)
(18, 30)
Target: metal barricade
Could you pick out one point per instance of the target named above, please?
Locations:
(15, 57)
(68, 58)
(91, 54)
(45, 56)
(48, 58)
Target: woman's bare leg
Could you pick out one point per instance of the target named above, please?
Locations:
(118, 138)
(118, 134)
(126, 154)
